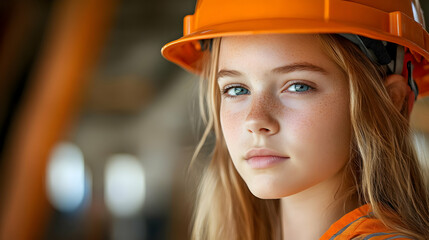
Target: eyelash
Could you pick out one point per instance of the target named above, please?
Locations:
(225, 89)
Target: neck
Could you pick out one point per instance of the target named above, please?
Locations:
(307, 215)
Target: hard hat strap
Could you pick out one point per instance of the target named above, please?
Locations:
(380, 52)
(411, 82)
(385, 53)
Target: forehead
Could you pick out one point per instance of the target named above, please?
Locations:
(265, 52)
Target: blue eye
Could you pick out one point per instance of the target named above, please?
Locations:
(235, 91)
(299, 87)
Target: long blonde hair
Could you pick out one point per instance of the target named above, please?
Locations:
(383, 169)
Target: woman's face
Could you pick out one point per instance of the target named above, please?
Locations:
(284, 112)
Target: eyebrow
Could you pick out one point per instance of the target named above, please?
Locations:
(301, 66)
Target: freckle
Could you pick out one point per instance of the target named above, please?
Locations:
(323, 107)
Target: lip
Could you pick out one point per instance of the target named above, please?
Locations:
(263, 158)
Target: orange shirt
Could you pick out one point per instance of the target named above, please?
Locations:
(358, 225)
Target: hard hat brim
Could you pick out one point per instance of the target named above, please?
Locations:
(188, 45)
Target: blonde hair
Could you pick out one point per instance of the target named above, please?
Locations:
(383, 169)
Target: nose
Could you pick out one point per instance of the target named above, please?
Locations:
(260, 119)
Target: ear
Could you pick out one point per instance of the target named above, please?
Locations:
(400, 93)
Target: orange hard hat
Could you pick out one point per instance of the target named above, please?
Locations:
(396, 21)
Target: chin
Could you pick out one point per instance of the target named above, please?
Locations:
(265, 192)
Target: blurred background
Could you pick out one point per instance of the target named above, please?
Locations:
(96, 128)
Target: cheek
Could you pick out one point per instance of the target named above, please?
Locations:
(231, 120)
(321, 134)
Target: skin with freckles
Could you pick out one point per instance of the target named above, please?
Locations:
(282, 93)
(310, 126)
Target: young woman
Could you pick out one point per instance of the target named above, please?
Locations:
(310, 108)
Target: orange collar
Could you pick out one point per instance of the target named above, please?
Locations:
(343, 224)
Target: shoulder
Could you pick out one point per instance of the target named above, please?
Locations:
(359, 225)
(372, 229)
